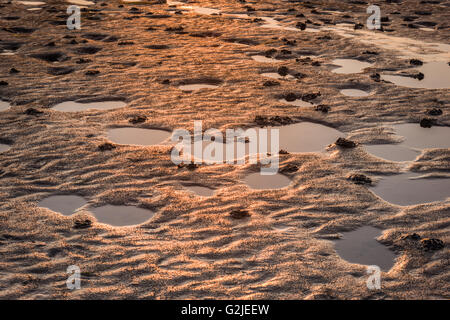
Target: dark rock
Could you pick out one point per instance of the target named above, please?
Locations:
(360, 179)
(283, 71)
(290, 97)
(375, 77)
(427, 122)
(289, 168)
(3, 83)
(138, 119)
(192, 166)
(315, 63)
(419, 76)
(33, 112)
(271, 83)
(344, 143)
(106, 146)
(310, 96)
(432, 244)
(239, 214)
(434, 112)
(13, 71)
(282, 151)
(370, 52)
(301, 25)
(272, 121)
(358, 26)
(125, 43)
(82, 224)
(51, 44)
(412, 236)
(322, 108)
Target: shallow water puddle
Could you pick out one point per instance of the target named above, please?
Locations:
(393, 152)
(361, 247)
(354, 93)
(297, 103)
(72, 106)
(264, 59)
(436, 76)
(4, 147)
(120, 216)
(258, 181)
(137, 136)
(198, 86)
(348, 66)
(307, 137)
(4, 105)
(64, 204)
(200, 190)
(298, 137)
(406, 189)
(423, 138)
(416, 139)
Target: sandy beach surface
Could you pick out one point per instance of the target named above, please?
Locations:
(282, 246)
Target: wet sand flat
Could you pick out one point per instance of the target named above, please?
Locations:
(168, 64)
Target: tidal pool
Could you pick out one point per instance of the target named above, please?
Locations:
(424, 138)
(360, 246)
(64, 204)
(416, 139)
(258, 181)
(72, 106)
(307, 137)
(297, 103)
(407, 189)
(354, 93)
(264, 59)
(4, 105)
(436, 76)
(120, 216)
(200, 190)
(348, 66)
(4, 147)
(137, 136)
(298, 137)
(393, 152)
